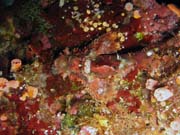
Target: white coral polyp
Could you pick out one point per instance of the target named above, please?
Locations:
(175, 125)
(88, 130)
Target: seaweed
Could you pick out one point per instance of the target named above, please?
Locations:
(31, 12)
(8, 37)
(68, 121)
(86, 110)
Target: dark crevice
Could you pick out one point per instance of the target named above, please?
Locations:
(175, 2)
(131, 50)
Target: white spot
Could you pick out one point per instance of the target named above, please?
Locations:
(118, 57)
(100, 91)
(1, 73)
(162, 94)
(46, 132)
(87, 66)
(149, 53)
(61, 3)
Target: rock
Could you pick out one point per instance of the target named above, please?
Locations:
(150, 84)
(162, 94)
(178, 80)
